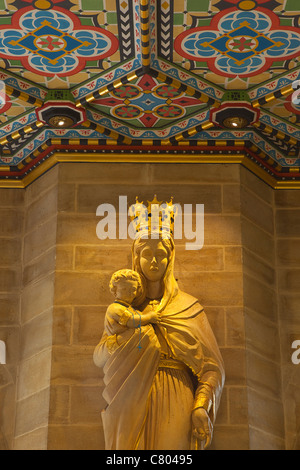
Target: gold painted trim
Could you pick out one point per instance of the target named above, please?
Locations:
(294, 170)
(145, 32)
(23, 96)
(80, 157)
(162, 77)
(103, 130)
(16, 135)
(7, 184)
(287, 185)
(272, 96)
(147, 158)
(279, 135)
(105, 90)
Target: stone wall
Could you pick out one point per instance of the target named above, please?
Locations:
(79, 306)
(84, 265)
(38, 269)
(263, 358)
(54, 278)
(287, 226)
(11, 235)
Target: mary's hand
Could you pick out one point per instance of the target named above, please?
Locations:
(203, 428)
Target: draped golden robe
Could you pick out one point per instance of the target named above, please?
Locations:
(157, 377)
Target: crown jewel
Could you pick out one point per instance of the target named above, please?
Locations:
(157, 218)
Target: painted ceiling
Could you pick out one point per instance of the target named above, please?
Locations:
(147, 80)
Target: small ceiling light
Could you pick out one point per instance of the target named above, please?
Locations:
(61, 121)
(235, 112)
(237, 122)
(59, 110)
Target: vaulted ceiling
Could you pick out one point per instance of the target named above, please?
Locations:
(150, 80)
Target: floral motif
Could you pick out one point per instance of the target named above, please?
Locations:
(53, 42)
(148, 103)
(127, 112)
(242, 43)
(169, 111)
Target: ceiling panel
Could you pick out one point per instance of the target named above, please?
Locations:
(145, 80)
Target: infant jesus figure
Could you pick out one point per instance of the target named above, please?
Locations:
(121, 319)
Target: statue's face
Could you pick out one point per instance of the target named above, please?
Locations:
(154, 260)
(126, 290)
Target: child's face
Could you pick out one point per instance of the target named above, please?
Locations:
(127, 290)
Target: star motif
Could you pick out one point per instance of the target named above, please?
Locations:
(242, 44)
(50, 43)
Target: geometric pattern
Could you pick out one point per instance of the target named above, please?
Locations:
(165, 33)
(53, 42)
(125, 16)
(240, 42)
(149, 77)
(148, 103)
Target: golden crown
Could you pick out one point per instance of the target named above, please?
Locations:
(157, 217)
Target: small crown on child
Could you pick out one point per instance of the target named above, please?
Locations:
(158, 217)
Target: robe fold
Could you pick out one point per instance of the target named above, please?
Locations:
(149, 406)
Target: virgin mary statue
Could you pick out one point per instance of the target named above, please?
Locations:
(163, 381)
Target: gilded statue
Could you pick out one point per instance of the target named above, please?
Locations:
(163, 371)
